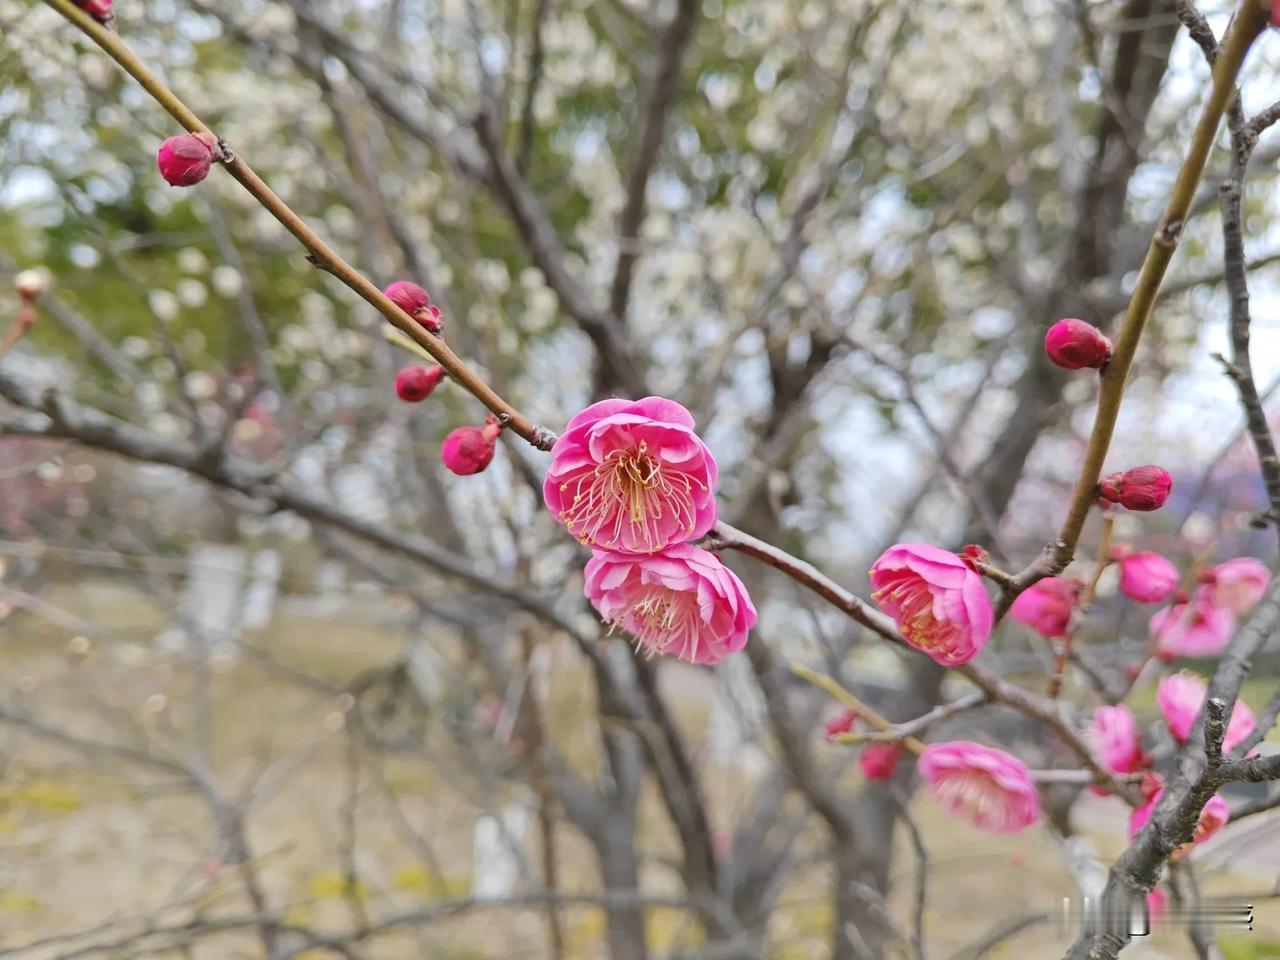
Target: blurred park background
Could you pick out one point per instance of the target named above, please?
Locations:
(274, 683)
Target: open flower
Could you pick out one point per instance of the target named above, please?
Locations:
(939, 603)
(988, 787)
(1180, 698)
(681, 601)
(1213, 818)
(1193, 628)
(1046, 606)
(1236, 585)
(632, 477)
(1145, 577)
(1114, 735)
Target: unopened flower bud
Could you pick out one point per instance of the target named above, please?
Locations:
(878, 760)
(29, 284)
(1141, 488)
(100, 10)
(414, 301)
(1075, 344)
(469, 450)
(185, 160)
(414, 384)
(976, 557)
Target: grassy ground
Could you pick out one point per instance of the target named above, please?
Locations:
(85, 840)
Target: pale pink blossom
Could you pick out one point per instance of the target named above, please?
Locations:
(1192, 628)
(1180, 698)
(1145, 577)
(1213, 818)
(632, 477)
(988, 787)
(681, 601)
(1046, 606)
(1114, 735)
(1236, 585)
(878, 760)
(938, 601)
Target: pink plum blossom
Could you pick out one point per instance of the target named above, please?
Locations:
(1046, 606)
(1193, 628)
(632, 477)
(1236, 585)
(1180, 698)
(1213, 818)
(1145, 577)
(681, 601)
(939, 603)
(988, 787)
(1114, 735)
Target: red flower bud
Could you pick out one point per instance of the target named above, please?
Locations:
(184, 160)
(100, 10)
(878, 760)
(414, 384)
(1141, 488)
(976, 557)
(1075, 344)
(842, 722)
(469, 450)
(414, 301)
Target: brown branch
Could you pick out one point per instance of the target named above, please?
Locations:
(1240, 367)
(1250, 20)
(1063, 655)
(537, 54)
(674, 42)
(324, 255)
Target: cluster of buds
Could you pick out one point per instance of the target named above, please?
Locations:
(100, 10)
(185, 160)
(414, 301)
